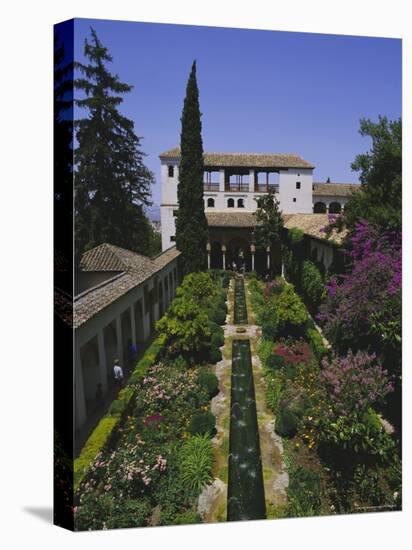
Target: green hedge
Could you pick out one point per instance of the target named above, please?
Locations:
(101, 435)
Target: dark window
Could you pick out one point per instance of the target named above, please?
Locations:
(240, 203)
(174, 213)
(298, 185)
(230, 203)
(171, 171)
(210, 203)
(294, 199)
(172, 238)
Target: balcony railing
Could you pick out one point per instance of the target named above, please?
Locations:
(210, 186)
(263, 188)
(237, 187)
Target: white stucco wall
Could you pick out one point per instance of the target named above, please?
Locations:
(288, 191)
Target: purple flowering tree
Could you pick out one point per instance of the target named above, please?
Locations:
(362, 310)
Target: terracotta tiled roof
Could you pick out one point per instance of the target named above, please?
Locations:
(335, 189)
(310, 224)
(313, 225)
(246, 160)
(135, 270)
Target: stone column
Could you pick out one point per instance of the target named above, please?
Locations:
(327, 208)
(253, 250)
(102, 361)
(208, 248)
(222, 180)
(119, 340)
(251, 181)
(224, 256)
(268, 257)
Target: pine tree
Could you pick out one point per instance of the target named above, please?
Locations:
(112, 184)
(191, 223)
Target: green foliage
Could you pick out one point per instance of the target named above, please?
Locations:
(269, 320)
(303, 492)
(379, 199)
(187, 518)
(270, 221)
(111, 181)
(198, 287)
(101, 435)
(191, 224)
(186, 327)
(203, 423)
(295, 236)
(196, 460)
(291, 311)
(209, 382)
(96, 442)
(316, 342)
(215, 355)
(287, 422)
(129, 513)
(217, 339)
(312, 283)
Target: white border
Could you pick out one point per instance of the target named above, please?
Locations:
(26, 253)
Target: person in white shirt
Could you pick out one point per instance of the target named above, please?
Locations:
(118, 372)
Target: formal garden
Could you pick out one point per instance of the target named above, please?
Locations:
(151, 455)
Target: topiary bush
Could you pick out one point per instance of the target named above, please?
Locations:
(217, 339)
(291, 311)
(215, 355)
(287, 422)
(203, 423)
(209, 382)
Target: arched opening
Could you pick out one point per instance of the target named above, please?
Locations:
(161, 301)
(240, 203)
(230, 203)
(335, 208)
(238, 255)
(210, 203)
(110, 347)
(216, 256)
(319, 208)
(139, 322)
(89, 355)
(126, 336)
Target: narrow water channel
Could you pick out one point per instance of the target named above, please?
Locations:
(246, 496)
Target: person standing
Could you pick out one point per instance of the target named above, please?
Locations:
(117, 373)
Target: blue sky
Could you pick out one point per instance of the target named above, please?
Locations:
(260, 91)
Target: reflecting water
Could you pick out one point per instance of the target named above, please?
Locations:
(246, 498)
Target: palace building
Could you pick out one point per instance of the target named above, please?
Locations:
(232, 184)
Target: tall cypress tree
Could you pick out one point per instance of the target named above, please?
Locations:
(191, 223)
(112, 184)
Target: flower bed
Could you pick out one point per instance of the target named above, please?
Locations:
(339, 457)
(157, 457)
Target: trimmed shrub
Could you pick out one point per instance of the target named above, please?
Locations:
(215, 355)
(287, 422)
(209, 382)
(203, 423)
(291, 312)
(316, 342)
(217, 339)
(217, 314)
(312, 284)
